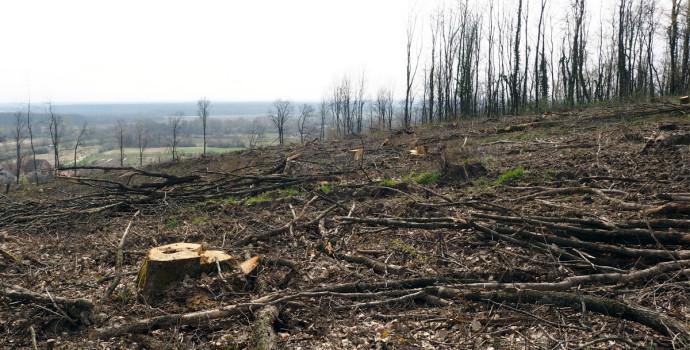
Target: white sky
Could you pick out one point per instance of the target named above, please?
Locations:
(163, 50)
(232, 50)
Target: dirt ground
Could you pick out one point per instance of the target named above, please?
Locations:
(558, 231)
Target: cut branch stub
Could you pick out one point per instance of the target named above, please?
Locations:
(209, 258)
(248, 266)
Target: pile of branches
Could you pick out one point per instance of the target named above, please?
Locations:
(132, 189)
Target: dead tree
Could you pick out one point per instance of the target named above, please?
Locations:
(203, 110)
(410, 73)
(323, 114)
(31, 140)
(685, 65)
(279, 116)
(19, 125)
(673, 47)
(537, 54)
(174, 123)
(120, 138)
(306, 112)
(80, 139)
(515, 79)
(55, 127)
(255, 134)
(142, 140)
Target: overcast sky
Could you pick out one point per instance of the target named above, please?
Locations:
(163, 50)
(170, 50)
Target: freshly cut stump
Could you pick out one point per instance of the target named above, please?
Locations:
(167, 264)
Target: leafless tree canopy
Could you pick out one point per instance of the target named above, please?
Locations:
(280, 114)
(255, 134)
(83, 131)
(174, 124)
(142, 140)
(55, 127)
(19, 126)
(306, 112)
(203, 110)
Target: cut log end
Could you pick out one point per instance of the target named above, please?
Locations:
(170, 263)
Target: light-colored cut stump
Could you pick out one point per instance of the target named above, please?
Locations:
(210, 257)
(418, 150)
(684, 99)
(167, 264)
(357, 154)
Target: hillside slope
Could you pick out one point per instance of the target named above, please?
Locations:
(554, 231)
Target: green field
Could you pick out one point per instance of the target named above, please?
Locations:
(151, 155)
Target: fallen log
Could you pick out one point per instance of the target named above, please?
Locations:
(263, 337)
(76, 311)
(164, 321)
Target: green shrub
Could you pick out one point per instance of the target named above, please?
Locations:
(511, 175)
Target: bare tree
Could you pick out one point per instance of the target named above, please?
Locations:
(673, 47)
(410, 73)
(31, 140)
(279, 116)
(120, 137)
(174, 123)
(55, 126)
(255, 134)
(306, 111)
(19, 125)
(203, 109)
(80, 139)
(142, 140)
(323, 113)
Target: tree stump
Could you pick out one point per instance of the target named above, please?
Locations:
(170, 263)
(684, 100)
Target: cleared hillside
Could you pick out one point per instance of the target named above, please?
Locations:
(555, 231)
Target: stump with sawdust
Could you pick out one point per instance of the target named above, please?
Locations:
(171, 263)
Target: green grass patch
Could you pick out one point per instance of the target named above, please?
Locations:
(231, 201)
(260, 198)
(171, 223)
(511, 175)
(200, 220)
(325, 188)
(424, 178)
(287, 192)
